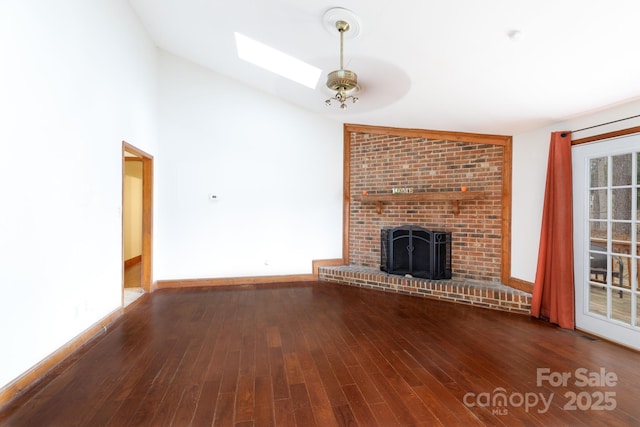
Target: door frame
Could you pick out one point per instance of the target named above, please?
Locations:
(146, 279)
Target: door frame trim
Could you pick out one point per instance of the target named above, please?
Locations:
(147, 214)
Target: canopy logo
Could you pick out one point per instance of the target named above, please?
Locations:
(499, 400)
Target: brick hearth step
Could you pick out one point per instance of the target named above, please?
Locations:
(495, 296)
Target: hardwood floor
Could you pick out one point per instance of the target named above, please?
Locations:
(318, 354)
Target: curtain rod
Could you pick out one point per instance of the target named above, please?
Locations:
(604, 124)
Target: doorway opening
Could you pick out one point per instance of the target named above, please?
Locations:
(137, 222)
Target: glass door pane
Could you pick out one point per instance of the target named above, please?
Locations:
(611, 249)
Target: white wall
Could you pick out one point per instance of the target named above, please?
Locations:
(276, 171)
(530, 154)
(77, 78)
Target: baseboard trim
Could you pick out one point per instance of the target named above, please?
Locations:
(250, 280)
(37, 373)
(233, 281)
(133, 261)
(520, 284)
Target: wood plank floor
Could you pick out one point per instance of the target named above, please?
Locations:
(319, 354)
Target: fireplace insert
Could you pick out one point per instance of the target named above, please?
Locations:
(416, 251)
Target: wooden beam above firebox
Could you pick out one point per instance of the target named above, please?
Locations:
(453, 196)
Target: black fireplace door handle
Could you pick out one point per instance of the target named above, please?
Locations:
(409, 248)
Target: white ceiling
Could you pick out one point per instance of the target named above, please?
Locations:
(445, 65)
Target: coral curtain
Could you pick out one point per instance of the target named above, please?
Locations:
(553, 291)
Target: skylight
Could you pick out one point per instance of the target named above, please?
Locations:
(277, 62)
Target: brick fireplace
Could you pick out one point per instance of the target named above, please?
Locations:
(428, 170)
(379, 163)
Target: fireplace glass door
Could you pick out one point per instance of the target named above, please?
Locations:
(417, 252)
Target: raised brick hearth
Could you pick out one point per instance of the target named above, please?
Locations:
(482, 294)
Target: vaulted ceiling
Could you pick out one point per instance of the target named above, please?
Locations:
(493, 66)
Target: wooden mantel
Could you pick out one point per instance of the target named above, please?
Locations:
(454, 196)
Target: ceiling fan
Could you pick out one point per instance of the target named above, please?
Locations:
(342, 81)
